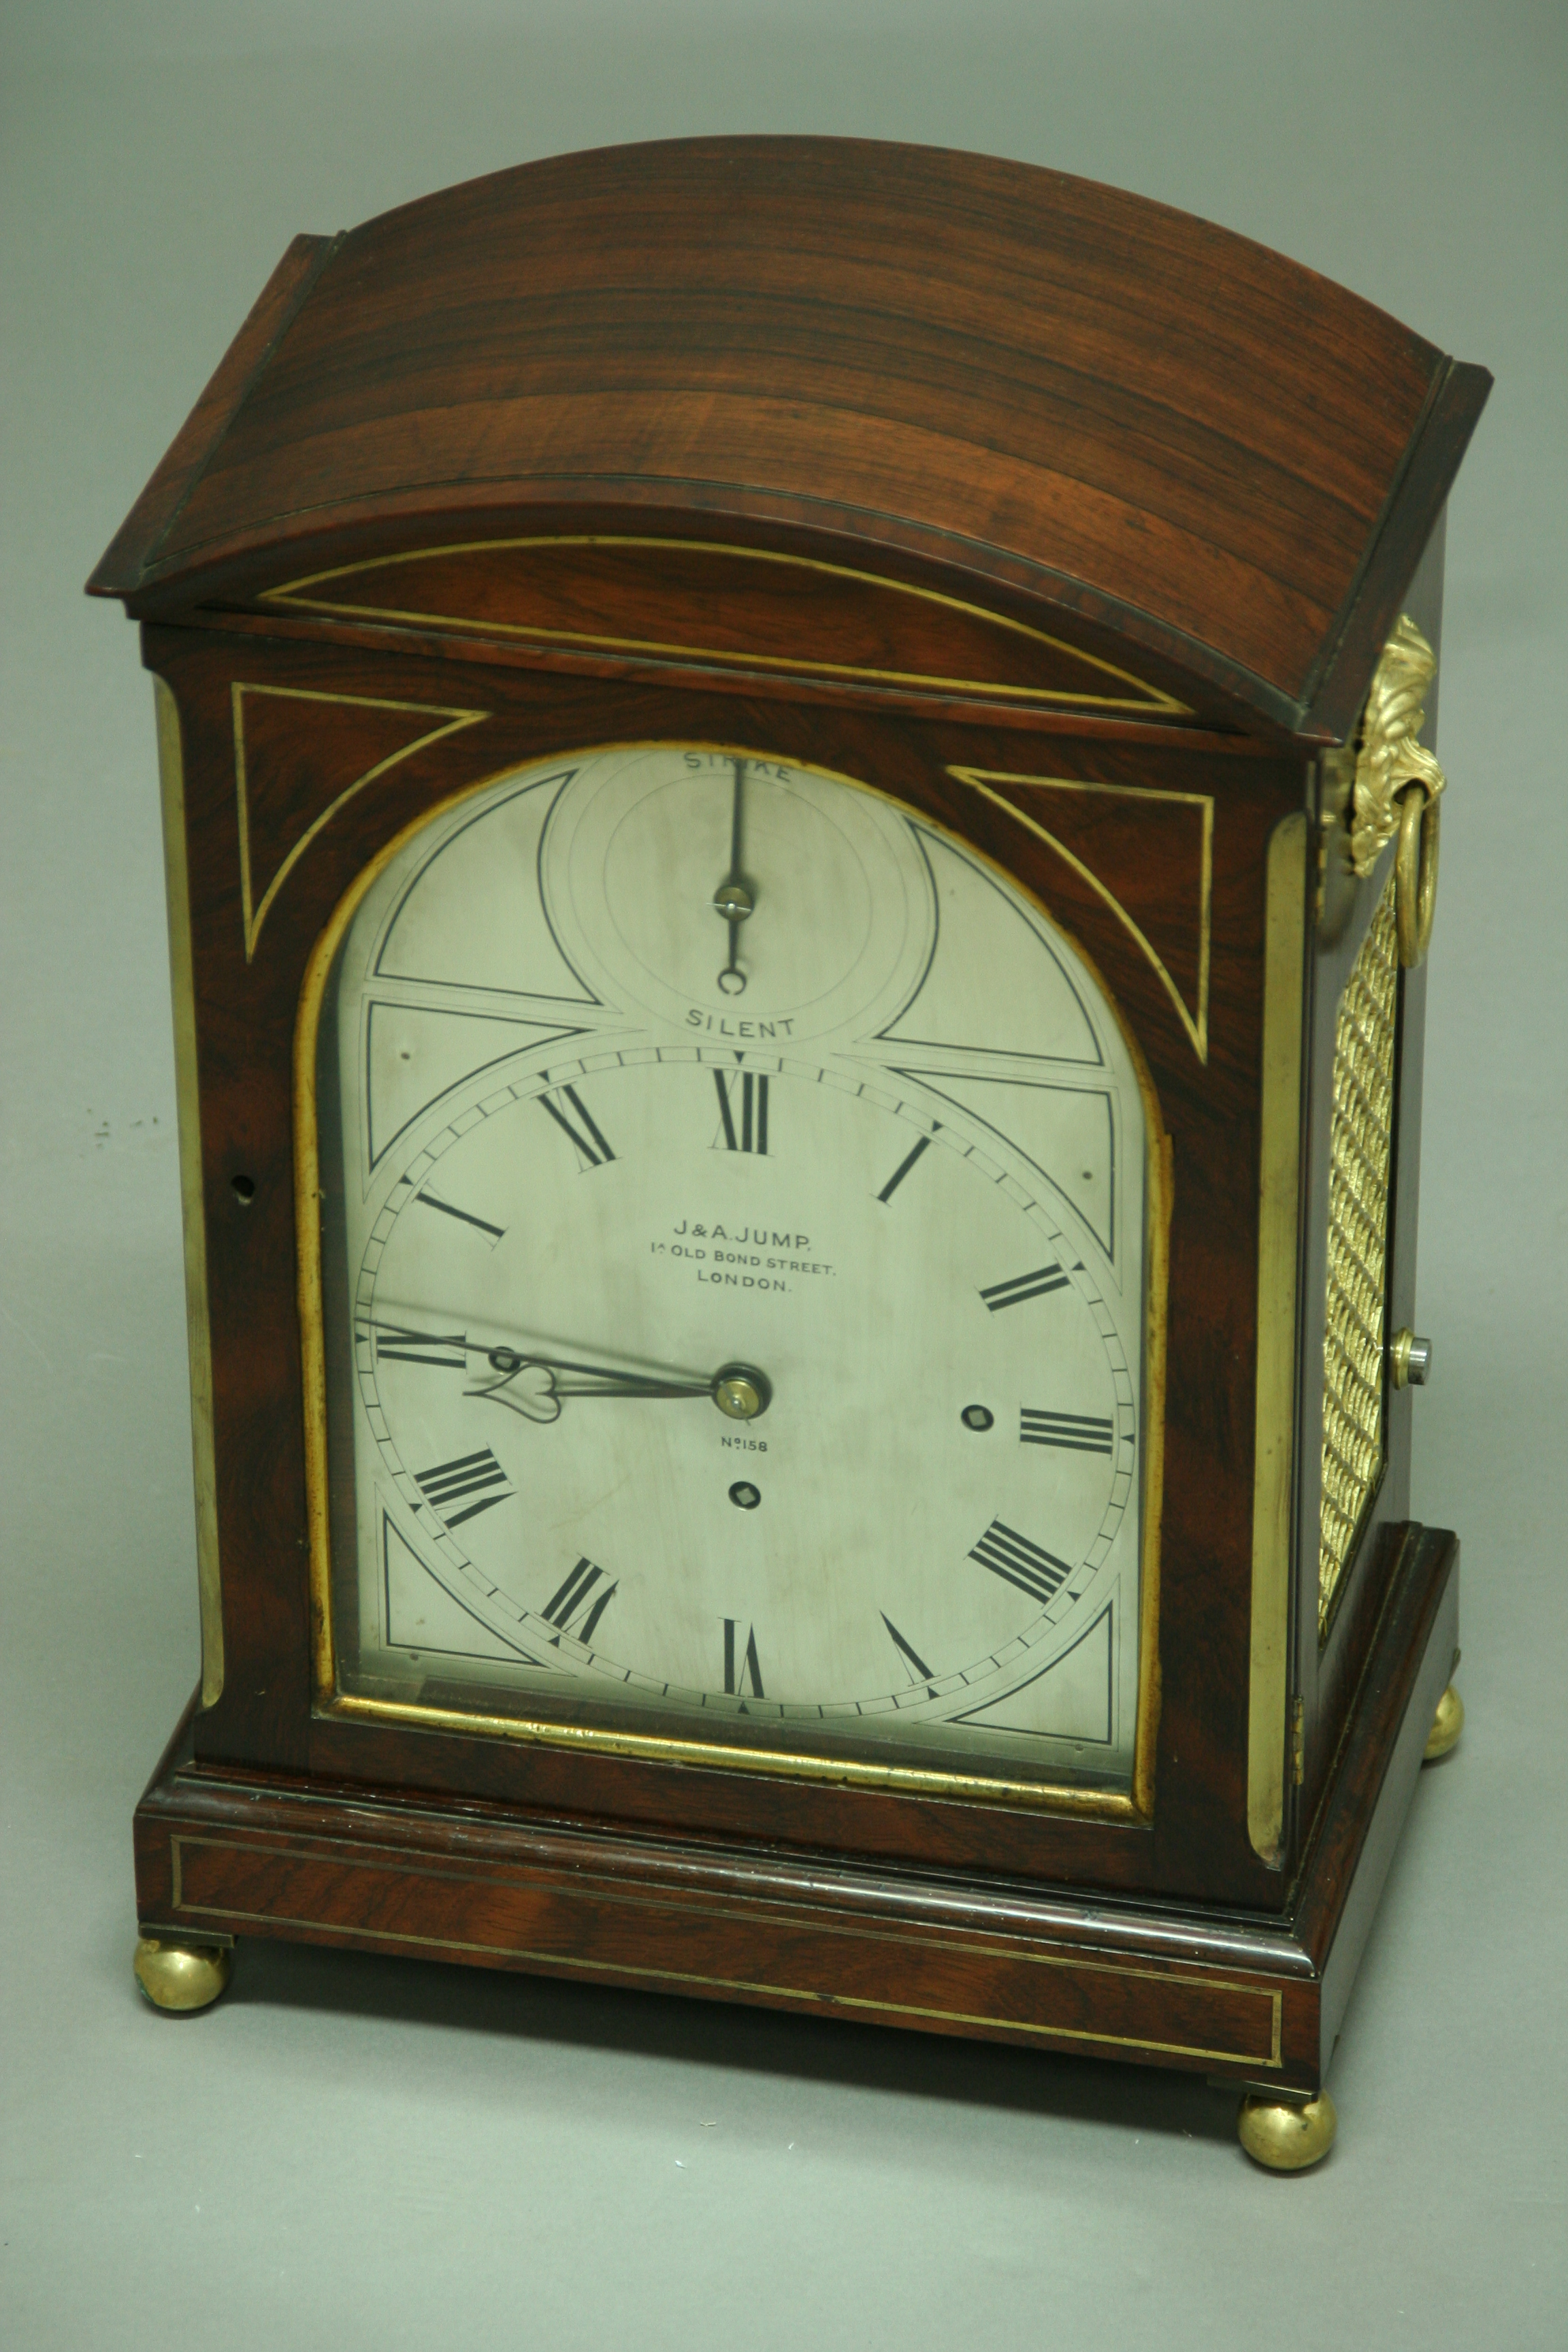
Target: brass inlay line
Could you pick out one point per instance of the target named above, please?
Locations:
(1138, 1808)
(1360, 1142)
(1161, 1197)
(1279, 1182)
(254, 915)
(848, 1930)
(1146, 697)
(187, 1097)
(981, 779)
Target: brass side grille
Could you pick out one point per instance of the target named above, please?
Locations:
(1361, 1134)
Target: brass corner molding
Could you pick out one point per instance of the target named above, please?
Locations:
(1389, 759)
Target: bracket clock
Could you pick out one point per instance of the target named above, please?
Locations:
(799, 852)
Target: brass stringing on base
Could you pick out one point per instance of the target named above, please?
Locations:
(1361, 1140)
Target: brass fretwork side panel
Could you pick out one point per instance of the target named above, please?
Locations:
(1361, 1138)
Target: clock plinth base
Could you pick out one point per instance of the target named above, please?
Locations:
(179, 1978)
(1287, 2134)
(1447, 1724)
(1254, 2000)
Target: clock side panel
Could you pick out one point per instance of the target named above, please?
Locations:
(1354, 1485)
(303, 761)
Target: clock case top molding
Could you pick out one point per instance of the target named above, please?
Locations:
(1080, 416)
(1075, 524)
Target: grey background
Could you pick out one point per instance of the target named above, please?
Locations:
(351, 2152)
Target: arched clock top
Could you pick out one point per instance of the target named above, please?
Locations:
(1038, 438)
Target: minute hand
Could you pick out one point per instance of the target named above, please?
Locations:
(531, 1386)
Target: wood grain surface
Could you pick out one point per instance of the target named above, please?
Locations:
(1020, 387)
(323, 722)
(225, 1854)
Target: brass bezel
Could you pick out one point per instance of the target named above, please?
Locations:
(673, 1748)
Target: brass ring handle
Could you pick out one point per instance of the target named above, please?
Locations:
(1415, 873)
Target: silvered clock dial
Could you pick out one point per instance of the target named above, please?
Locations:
(734, 1281)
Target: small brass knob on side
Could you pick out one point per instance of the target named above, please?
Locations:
(1287, 2134)
(179, 1978)
(1410, 1360)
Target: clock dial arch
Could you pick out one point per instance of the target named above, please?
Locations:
(861, 1565)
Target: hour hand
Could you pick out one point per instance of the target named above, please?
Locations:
(531, 1382)
(535, 1386)
(530, 1389)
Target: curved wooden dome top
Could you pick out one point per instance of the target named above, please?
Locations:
(1022, 389)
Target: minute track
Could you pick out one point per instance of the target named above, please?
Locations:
(634, 1090)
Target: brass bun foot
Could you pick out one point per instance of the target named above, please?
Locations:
(1287, 2134)
(181, 1976)
(1447, 1726)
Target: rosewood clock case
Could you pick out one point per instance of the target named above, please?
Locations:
(1073, 524)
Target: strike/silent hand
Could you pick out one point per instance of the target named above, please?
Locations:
(734, 899)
